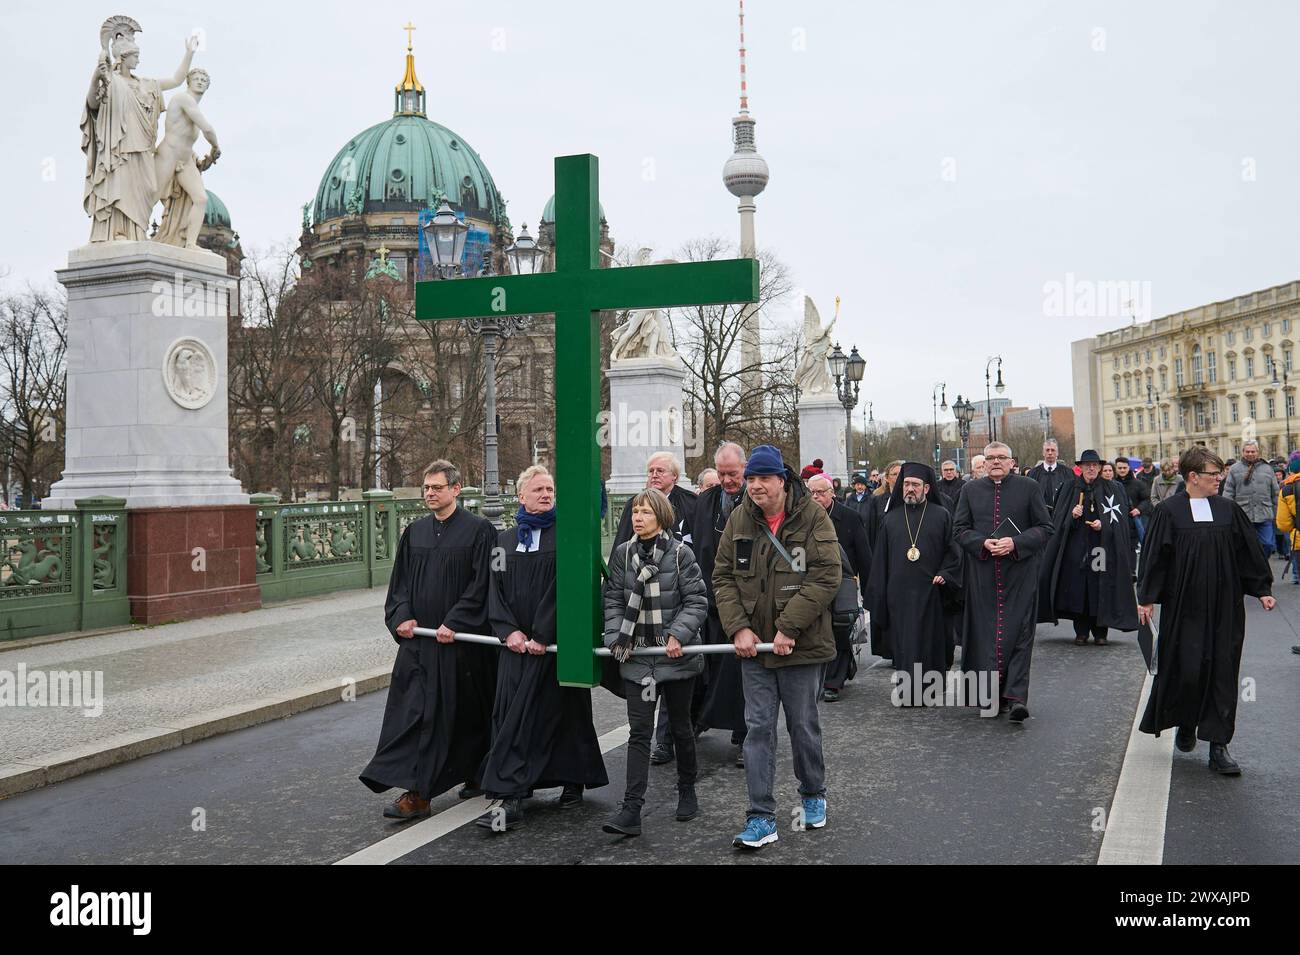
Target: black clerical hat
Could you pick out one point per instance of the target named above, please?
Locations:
(1089, 457)
(914, 469)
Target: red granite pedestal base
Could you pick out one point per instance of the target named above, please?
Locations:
(187, 562)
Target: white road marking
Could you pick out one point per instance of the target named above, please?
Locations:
(1135, 829)
(449, 820)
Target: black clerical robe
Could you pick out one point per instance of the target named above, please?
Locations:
(542, 733)
(723, 705)
(1079, 581)
(1001, 593)
(1199, 572)
(949, 492)
(438, 716)
(683, 502)
(879, 508)
(1051, 481)
(907, 607)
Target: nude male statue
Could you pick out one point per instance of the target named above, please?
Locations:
(177, 173)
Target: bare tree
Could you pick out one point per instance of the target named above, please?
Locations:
(33, 383)
(269, 388)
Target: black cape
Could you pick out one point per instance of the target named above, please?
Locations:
(724, 697)
(1199, 573)
(438, 716)
(853, 538)
(879, 507)
(907, 608)
(542, 733)
(1052, 481)
(949, 492)
(1001, 593)
(1076, 584)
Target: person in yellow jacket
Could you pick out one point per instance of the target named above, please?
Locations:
(1286, 512)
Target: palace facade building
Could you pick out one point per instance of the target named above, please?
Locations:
(1215, 375)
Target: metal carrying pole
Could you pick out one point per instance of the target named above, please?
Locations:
(690, 651)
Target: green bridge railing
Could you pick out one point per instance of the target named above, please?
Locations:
(64, 570)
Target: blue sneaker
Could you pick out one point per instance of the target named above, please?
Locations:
(814, 812)
(759, 831)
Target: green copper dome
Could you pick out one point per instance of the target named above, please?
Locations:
(404, 164)
(218, 215)
(548, 214)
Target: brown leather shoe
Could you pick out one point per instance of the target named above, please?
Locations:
(407, 806)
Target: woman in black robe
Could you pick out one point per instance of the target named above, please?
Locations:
(1201, 557)
(542, 732)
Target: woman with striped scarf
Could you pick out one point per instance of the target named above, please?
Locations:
(655, 597)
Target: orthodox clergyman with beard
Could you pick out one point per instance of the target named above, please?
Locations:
(916, 565)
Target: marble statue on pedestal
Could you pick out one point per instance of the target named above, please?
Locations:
(645, 334)
(127, 172)
(812, 376)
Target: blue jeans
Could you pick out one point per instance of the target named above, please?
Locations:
(1295, 566)
(1265, 530)
(794, 689)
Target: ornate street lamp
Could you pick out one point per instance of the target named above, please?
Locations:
(938, 402)
(524, 255)
(964, 412)
(848, 371)
(988, 397)
(446, 234)
(1153, 402)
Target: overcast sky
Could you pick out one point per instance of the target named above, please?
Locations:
(935, 164)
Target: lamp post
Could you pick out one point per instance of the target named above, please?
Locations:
(988, 397)
(446, 235)
(963, 411)
(936, 405)
(1153, 402)
(848, 371)
(1286, 406)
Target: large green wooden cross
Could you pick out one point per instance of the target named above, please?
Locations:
(576, 292)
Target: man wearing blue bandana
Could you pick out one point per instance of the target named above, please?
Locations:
(542, 733)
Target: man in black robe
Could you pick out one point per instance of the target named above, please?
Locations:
(1201, 557)
(1002, 525)
(858, 499)
(438, 716)
(853, 539)
(662, 473)
(1088, 563)
(724, 695)
(1051, 475)
(915, 562)
(542, 732)
(949, 486)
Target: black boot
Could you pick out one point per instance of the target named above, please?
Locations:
(1222, 762)
(1185, 738)
(626, 822)
(1019, 712)
(509, 815)
(570, 797)
(688, 807)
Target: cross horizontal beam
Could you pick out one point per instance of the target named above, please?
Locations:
(673, 285)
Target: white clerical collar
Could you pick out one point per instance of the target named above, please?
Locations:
(1201, 512)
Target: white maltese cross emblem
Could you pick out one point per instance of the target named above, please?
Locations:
(1111, 508)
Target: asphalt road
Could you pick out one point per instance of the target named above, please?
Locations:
(904, 785)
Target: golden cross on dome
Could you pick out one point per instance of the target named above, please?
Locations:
(383, 255)
(408, 28)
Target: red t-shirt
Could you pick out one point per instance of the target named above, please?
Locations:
(776, 521)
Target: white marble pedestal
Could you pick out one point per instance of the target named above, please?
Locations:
(147, 377)
(645, 416)
(821, 434)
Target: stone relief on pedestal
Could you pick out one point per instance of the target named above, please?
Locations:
(190, 373)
